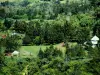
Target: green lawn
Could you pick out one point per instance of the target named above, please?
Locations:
(33, 50)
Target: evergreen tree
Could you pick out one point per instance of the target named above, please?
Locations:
(41, 54)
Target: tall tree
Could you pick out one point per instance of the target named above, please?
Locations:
(8, 22)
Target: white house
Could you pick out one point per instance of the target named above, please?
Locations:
(94, 41)
(15, 53)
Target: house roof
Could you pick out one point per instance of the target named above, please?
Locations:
(3, 36)
(95, 38)
(14, 33)
(15, 52)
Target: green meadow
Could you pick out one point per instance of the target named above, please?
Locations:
(33, 50)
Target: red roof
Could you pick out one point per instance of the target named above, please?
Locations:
(3, 36)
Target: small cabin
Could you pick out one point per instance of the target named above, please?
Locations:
(95, 40)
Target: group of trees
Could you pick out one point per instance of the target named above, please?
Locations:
(50, 22)
(42, 10)
(51, 61)
(10, 43)
(13, 66)
(52, 31)
(54, 63)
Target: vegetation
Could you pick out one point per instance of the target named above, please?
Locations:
(51, 36)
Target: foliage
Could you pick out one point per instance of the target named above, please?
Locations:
(13, 67)
(8, 23)
(53, 64)
(2, 58)
(20, 26)
(12, 43)
(26, 40)
(50, 22)
(50, 52)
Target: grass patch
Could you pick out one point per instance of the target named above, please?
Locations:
(35, 49)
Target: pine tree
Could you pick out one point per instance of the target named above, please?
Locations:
(41, 54)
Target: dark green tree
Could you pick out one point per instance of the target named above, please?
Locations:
(24, 3)
(8, 22)
(27, 40)
(20, 26)
(41, 53)
(12, 43)
(2, 58)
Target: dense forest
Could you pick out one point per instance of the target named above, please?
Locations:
(49, 22)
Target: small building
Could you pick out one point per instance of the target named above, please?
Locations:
(95, 40)
(15, 53)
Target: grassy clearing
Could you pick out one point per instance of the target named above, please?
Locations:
(33, 50)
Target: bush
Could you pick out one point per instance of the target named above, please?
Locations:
(37, 40)
(26, 40)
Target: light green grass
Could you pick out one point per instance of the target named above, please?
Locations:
(32, 49)
(35, 49)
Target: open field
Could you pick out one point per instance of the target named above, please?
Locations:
(33, 50)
